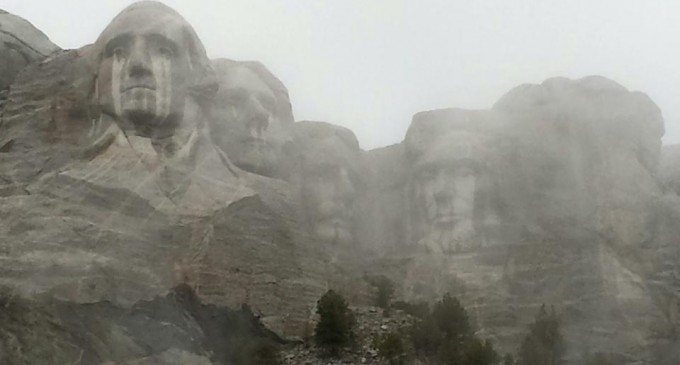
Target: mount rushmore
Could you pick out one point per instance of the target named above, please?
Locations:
(135, 165)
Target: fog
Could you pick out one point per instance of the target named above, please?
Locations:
(370, 65)
(166, 199)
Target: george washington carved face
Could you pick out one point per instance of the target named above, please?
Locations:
(149, 58)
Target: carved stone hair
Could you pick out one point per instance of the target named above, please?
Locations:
(147, 14)
(283, 105)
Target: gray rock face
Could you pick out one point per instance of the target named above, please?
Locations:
(549, 197)
(136, 165)
(173, 329)
(112, 190)
(669, 169)
(20, 44)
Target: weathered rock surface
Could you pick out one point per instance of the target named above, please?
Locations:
(669, 168)
(115, 187)
(20, 44)
(558, 184)
(174, 329)
(93, 213)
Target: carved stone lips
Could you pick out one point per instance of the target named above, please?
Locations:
(139, 86)
(254, 140)
(447, 217)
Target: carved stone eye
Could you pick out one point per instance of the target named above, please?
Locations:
(118, 52)
(166, 52)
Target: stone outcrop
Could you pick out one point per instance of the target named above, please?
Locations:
(549, 197)
(20, 44)
(113, 192)
(173, 329)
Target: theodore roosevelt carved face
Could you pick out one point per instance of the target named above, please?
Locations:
(328, 179)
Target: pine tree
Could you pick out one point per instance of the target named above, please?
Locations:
(334, 330)
(543, 345)
(451, 318)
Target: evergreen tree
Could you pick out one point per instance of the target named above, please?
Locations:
(427, 337)
(452, 319)
(543, 345)
(385, 292)
(334, 330)
(478, 352)
(446, 334)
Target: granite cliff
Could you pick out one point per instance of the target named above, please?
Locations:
(158, 207)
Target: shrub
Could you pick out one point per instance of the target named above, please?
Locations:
(334, 330)
(391, 348)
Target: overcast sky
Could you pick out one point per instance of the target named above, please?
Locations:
(370, 65)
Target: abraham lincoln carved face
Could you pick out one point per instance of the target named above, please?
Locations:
(449, 189)
(149, 59)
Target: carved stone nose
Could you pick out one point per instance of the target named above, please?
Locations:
(443, 196)
(257, 125)
(345, 188)
(140, 61)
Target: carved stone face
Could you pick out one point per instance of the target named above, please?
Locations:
(448, 193)
(325, 171)
(328, 194)
(247, 122)
(445, 185)
(144, 70)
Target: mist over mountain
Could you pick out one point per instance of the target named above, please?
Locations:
(163, 207)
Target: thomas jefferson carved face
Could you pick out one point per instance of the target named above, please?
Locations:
(145, 68)
(249, 119)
